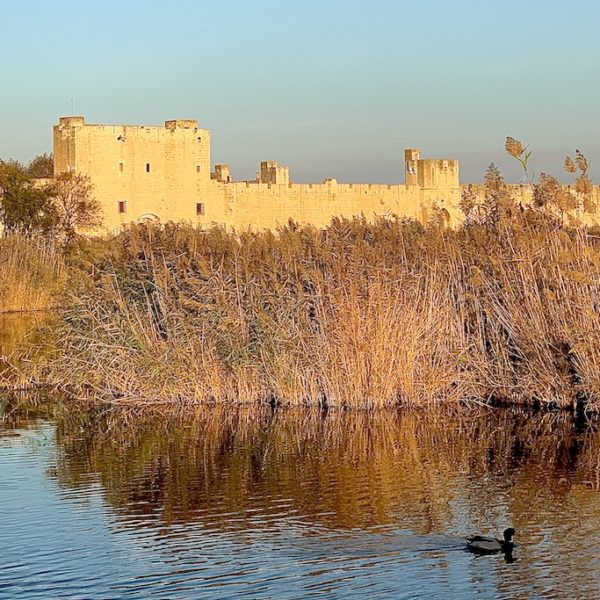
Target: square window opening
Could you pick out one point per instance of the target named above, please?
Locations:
(197, 168)
(122, 207)
(199, 209)
(147, 167)
(121, 167)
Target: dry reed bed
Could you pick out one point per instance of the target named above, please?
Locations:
(31, 274)
(359, 314)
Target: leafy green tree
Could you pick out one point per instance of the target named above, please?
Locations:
(41, 166)
(24, 206)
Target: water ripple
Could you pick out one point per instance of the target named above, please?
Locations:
(191, 512)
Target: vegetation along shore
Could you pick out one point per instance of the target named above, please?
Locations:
(503, 309)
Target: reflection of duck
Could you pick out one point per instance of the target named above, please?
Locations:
(489, 545)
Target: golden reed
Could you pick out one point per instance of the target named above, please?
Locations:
(359, 314)
(31, 274)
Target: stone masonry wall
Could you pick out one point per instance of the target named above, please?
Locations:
(163, 173)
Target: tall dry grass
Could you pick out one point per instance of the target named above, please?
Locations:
(360, 314)
(31, 274)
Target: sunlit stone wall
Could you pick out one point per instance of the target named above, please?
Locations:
(163, 173)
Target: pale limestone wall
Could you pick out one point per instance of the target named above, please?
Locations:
(116, 157)
(262, 205)
(179, 186)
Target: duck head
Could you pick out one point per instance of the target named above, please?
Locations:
(508, 534)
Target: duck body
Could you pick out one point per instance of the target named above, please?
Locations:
(480, 544)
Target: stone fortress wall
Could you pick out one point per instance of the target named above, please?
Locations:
(163, 173)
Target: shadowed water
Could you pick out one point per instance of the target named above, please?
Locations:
(294, 504)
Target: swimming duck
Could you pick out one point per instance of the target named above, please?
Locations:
(489, 545)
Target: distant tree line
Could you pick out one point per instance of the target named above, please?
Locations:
(57, 208)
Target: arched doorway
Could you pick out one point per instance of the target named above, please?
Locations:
(444, 217)
(148, 218)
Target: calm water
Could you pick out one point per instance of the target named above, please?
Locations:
(291, 504)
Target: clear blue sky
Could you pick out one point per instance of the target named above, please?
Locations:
(332, 88)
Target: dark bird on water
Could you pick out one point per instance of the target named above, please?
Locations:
(480, 544)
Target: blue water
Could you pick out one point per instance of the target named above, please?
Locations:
(261, 516)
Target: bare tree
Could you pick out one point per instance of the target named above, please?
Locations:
(76, 207)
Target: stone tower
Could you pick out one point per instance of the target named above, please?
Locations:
(411, 159)
(139, 172)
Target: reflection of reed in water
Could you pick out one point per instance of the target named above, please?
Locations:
(384, 482)
(339, 470)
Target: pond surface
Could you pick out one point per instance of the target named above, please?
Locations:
(293, 504)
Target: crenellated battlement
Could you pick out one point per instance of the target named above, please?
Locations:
(271, 172)
(181, 124)
(71, 122)
(164, 173)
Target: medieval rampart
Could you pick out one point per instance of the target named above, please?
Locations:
(164, 173)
